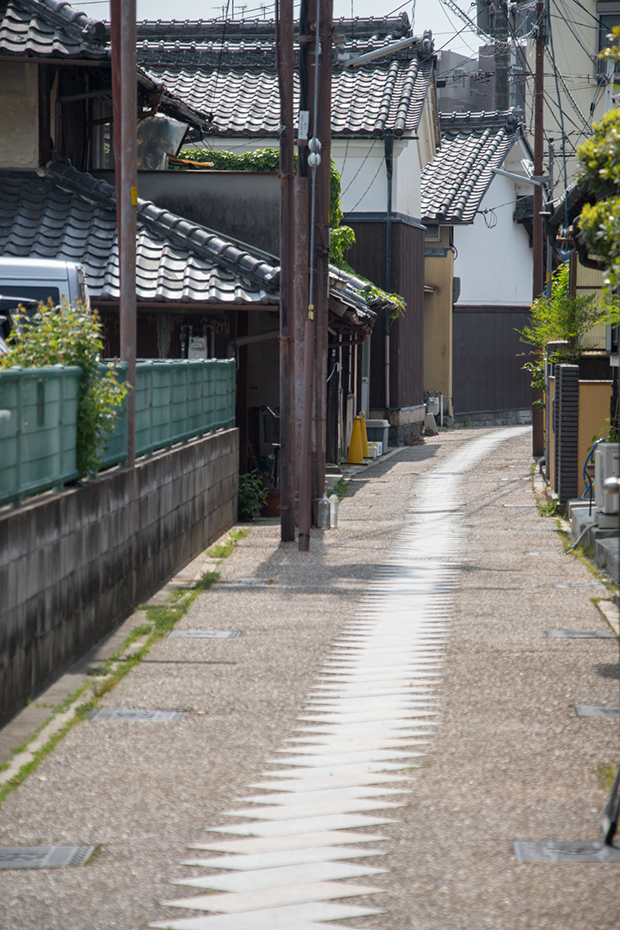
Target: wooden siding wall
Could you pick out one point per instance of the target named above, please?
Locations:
(406, 334)
(488, 359)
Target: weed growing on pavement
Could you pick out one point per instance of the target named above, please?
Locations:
(548, 508)
(161, 618)
(222, 550)
(341, 488)
(606, 775)
(207, 580)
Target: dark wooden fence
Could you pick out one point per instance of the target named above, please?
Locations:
(488, 359)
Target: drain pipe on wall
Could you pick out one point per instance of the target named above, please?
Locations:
(388, 148)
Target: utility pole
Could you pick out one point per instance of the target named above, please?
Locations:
(315, 84)
(125, 102)
(502, 57)
(285, 57)
(538, 439)
(322, 131)
(304, 306)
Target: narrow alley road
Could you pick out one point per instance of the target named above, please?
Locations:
(391, 720)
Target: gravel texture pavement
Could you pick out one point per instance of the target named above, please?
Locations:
(509, 761)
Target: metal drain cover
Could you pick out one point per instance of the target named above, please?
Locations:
(599, 587)
(149, 715)
(244, 584)
(586, 710)
(568, 851)
(579, 634)
(43, 857)
(203, 634)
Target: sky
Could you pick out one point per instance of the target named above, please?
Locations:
(429, 14)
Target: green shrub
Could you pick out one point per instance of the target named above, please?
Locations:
(70, 334)
(252, 494)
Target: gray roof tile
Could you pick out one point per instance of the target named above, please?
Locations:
(253, 30)
(384, 96)
(60, 213)
(48, 28)
(472, 144)
(234, 77)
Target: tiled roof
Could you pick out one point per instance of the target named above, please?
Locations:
(49, 29)
(252, 30)
(386, 96)
(59, 212)
(458, 177)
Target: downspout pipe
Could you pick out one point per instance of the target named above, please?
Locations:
(388, 148)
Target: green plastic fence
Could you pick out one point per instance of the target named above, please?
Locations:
(175, 401)
(38, 416)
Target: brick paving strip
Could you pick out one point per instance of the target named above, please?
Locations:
(362, 712)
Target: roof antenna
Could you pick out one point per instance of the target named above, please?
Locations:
(413, 16)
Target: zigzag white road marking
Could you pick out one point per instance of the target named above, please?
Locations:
(373, 707)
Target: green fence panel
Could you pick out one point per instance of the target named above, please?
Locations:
(38, 422)
(175, 401)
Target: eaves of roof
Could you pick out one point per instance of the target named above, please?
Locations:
(49, 29)
(454, 183)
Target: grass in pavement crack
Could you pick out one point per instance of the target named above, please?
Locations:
(222, 550)
(161, 618)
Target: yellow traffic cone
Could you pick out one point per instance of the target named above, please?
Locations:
(355, 456)
(365, 451)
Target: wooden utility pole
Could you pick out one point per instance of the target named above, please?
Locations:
(538, 438)
(304, 305)
(125, 103)
(285, 58)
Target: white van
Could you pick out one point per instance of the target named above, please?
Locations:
(31, 280)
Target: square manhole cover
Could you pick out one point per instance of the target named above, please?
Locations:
(203, 634)
(580, 634)
(43, 857)
(222, 585)
(148, 715)
(598, 587)
(567, 851)
(586, 710)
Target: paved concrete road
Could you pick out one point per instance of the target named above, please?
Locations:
(507, 761)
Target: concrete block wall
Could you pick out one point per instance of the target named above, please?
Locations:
(71, 568)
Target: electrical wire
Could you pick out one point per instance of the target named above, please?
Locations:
(352, 210)
(368, 153)
(557, 88)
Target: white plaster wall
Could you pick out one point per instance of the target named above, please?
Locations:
(361, 164)
(19, 115)
(494, 265)
(406, 187)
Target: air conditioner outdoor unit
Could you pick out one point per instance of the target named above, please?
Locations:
(607, 465)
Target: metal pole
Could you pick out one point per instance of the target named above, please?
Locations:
(538, 445)
(549, 208)
(502, 57)
(388, 144)
(322, 129)
(286, 63)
